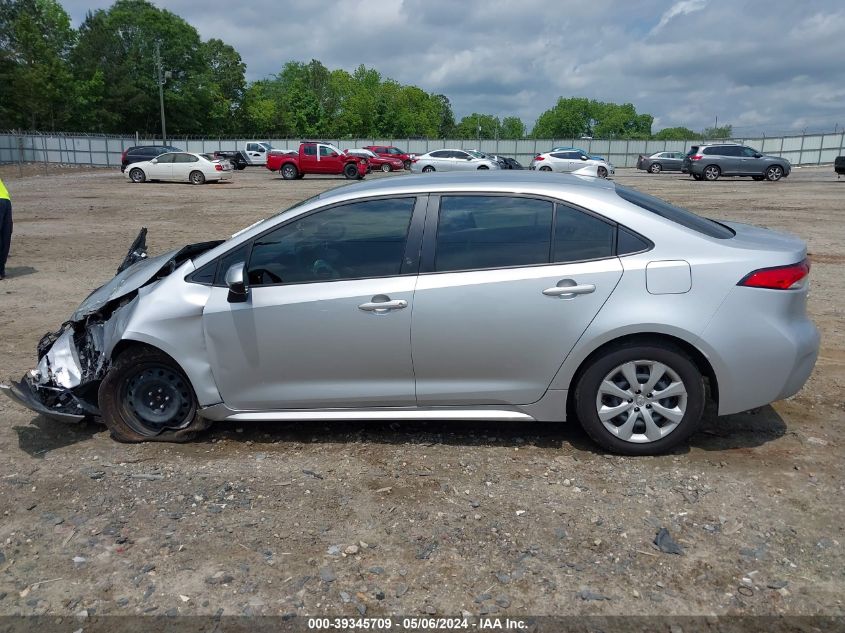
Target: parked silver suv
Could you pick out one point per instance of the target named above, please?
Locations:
(712, 160)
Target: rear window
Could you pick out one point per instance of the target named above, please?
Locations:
(678, 215)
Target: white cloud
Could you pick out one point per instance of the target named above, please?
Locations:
(684, 7)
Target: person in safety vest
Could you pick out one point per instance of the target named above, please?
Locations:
(5, 227)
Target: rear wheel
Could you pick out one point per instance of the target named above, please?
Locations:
(428, 168)
(602, 172)
(775, 172)
(640, 399)
(137, 174)
(655, 168)
(386, 168)
(350, 170)
(712, 172)
(196, 178)
(146, 397)
(289, 171)
(480, 167)
(545, 168)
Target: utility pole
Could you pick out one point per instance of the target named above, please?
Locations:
(161, 78)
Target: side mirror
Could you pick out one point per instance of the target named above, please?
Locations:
(583, 157)
(758, 155)
(154, 161)
(469, 158)
(238, 290)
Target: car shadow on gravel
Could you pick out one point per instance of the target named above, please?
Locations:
(43, 435)
(748, 429)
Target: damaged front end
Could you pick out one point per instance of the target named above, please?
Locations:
(73, 360)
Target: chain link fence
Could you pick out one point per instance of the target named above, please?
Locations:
(104, 150)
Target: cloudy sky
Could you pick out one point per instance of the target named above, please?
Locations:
(761, 65)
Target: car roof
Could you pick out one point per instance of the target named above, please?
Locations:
(523, 181)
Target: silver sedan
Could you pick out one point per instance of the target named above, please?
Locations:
(452, 160)
(499, 296)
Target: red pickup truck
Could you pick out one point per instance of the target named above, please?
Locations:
(315, 157)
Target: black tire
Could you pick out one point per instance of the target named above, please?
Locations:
(428, 168)
(545, 168)
(696, 176)
(386, 168)
(655, 168)
(758, 178)
(602, 172)
(241, 166)
(136, 174)
(196, 178)
(480, 167)
(407, 164)
(289, 171)
(587, 397)
(774, 173)
(123, 404)
(711, 173)
(350, 170)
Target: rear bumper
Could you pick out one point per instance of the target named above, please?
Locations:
(21, 392)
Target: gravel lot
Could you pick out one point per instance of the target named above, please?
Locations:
(411, 519)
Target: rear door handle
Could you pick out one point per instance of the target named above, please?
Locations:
(566, 291)
(383, 306)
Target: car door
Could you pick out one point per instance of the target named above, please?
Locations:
(256, 154)
(330, 162)
(161, 167)
(728, 158)
(459, 161)
(327, 318)
(749, 163)
(183, 165)
(503, 296)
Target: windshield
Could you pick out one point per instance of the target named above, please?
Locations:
(266, 146)
(476, 153)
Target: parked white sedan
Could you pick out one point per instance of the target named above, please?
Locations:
(181, 167)
(452, 160)
(570, 161)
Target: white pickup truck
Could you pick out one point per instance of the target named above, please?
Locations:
(253, 153)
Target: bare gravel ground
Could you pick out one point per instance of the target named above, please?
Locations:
(372, 518)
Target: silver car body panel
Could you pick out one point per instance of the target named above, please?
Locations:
(477, 344)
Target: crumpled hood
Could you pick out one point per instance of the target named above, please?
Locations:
(123, 283)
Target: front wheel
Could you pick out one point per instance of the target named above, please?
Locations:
(407, 164)
(775, 172)
(289, 171)
(480, 167)
(712, 173)
(386, 168)
(196, 178)
(655, 168)
(640, 399)
(137, 175)
(145, 396)
(602, 172)
(350, 170)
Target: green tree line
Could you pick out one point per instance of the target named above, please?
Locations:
(103, 77)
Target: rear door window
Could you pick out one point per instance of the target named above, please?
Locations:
(580, 236)
(492, 232)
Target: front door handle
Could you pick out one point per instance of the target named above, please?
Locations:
(569, 291)
(383, 306)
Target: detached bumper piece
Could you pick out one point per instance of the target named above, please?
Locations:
(23, 393)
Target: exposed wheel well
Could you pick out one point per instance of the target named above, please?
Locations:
(697, 357)
(127, 344)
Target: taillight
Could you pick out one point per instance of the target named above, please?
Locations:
(696, 157)
(778, 277)
(218, 167)
(538, 157)
(413, 160)
(123, 156)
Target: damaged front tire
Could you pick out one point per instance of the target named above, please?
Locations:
(146, 397)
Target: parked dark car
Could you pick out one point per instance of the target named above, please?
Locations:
(661, 161)
(508, 163)
(839, 166)
(137, 153)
